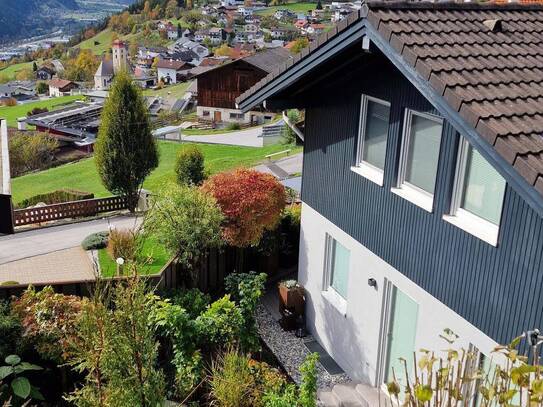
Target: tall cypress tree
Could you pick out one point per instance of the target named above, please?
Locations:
(125, 151)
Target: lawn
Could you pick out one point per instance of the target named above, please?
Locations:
(82, 175)
(175, 91)
(12, 113)
(295, 7)
(11, 71)
(104, 38)
(153, 257)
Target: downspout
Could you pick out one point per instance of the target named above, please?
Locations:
(292, 126)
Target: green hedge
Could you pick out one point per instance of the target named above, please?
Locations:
(55, 197)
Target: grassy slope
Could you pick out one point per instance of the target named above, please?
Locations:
(12, 113)
(11, 71)
(296, 7)
(104, 38)
(175, 91)
(82, 175)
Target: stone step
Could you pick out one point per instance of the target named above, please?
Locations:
(348, 396)
(327, 399)
(372, 396)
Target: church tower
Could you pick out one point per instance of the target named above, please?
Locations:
(120, 56)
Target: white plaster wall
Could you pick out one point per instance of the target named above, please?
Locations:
(353, 339)
(225, 115)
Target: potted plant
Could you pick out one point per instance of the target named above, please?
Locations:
(291, 296)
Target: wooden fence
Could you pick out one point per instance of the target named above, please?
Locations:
(210, 273)
(75, 209)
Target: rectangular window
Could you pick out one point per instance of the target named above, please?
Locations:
(372, 138)
(373, 131)
(237, 115)
(478, 195)
(337, 263)
(419, 158)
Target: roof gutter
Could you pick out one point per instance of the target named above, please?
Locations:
(517, 182)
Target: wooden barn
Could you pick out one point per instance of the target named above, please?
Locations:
(218, 88)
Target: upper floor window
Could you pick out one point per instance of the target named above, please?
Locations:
(372, 138)
(478, 195)
(419, 158)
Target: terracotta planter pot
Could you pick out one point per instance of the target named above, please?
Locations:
(291, 298)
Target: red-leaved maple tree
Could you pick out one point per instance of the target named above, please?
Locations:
(251, 202)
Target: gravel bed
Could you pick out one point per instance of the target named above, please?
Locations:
(291, 351)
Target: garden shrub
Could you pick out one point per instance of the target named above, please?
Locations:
(122, 244)
(49, 320)
(55, 197)
(232, 380)
(233, 127)
(221, 323)
(308, 388)
(95, 241)
(189, 166)
(193, 301)
(246, 290)
(286, 397)
(30, 151)
(10, 331)
(251, 201)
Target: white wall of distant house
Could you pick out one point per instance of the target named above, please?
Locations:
(165, 72)
(232, 115)
(353, 338)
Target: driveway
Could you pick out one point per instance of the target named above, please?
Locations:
(52, 239)
(243, 138)
(283, 168)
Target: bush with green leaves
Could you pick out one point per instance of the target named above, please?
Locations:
(186, 221)
(189, 165)
(233, 127)
(10, 331)
(193, 301)
(13, 383)
(221, 324)
(95, 241)
(308, 387)
(287, 397)
(246, 289)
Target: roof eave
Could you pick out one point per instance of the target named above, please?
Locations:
(308, 61)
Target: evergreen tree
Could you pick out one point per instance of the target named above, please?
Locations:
(126, 151)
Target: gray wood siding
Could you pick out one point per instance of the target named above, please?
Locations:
(495, 288)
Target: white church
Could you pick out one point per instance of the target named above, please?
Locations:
(109, 68)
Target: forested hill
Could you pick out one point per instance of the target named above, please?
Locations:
(26, 18)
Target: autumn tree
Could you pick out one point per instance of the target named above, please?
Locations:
(223, 51)
(25, 74)
(171, 9)
(30, 151)
(251, 202)
(83, 67)
(299, 45)
(125, 151)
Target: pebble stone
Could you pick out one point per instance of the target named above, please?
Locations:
(291, 351)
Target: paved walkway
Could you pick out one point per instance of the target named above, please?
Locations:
(284, 167)
(52, 239)
(60, 266)
(244, 138)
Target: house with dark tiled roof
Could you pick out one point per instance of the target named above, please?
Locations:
(422, 182)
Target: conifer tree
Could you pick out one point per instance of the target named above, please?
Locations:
(126, 151)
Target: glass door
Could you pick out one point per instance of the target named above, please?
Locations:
(402, 330)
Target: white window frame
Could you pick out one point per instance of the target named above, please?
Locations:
(410, 192)
(461, 218)
(362, 167)
(328, 292)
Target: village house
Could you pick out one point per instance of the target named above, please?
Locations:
(219, 87)
(423, 183)
(61, 87)
(171, 71)
(315, 29)
(45, 73)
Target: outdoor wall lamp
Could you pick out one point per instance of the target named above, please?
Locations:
(372, 282)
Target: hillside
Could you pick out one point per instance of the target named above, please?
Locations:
(27, 18)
